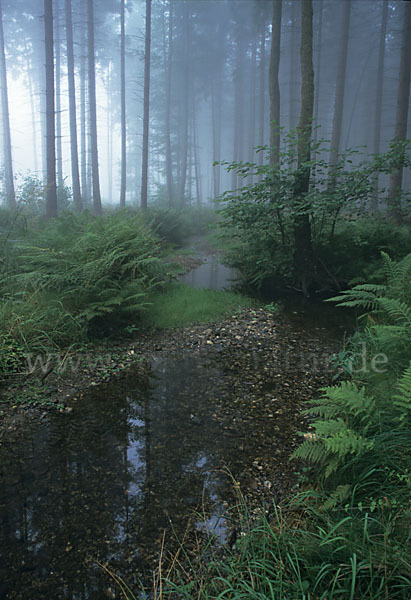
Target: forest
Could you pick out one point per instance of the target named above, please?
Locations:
(205, 299)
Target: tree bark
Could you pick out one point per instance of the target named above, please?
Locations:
(168, 59)
(184, 107)
(378, 101)
(57, 50)
(274, 84)
(318, 69)
(340, 86)
(83, 120)
(123, 106)
(75, 175)
(146, 116)
(51, 195)
(262, 95)
(97, 208)
(8, 160)
(401, 118)
(303, 251)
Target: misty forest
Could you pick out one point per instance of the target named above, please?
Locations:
(205, 299)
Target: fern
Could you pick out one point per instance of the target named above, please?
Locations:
(402, 400)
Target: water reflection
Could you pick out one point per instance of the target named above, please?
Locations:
(104, 481)
(212, 275)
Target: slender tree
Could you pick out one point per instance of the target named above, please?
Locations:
(401, 118)
(303, 252)
(274, 83)
(97, 208)
(123, 105)
(262, 92)
(168, 60)
(340, 84)
(57, 52)
(146, 109)
(75, 175)
(51, 196)
(8, 161)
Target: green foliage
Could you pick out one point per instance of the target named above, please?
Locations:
(388, 316)
(75, 273)
(181, 305)
(346, 239)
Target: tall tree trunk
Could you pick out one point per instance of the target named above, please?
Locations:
(146, 116)
(83, 121)
(97, 208)
(29, 71)
(51, 196)
(378, 100)
(216, 104)
(109, 123)
(251, 125)
(8, 161)
(238, 105)
(123, 105)
(168, 60)
(57, 50)
(303, 251)
(75, 175)
(318, 69)
(401, 118)
(292, 93)
(184, 106)
(340, 86)
(262, 95)
(274, 83)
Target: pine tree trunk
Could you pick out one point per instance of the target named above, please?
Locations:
(216, 103)
(123, 106)
(59, 146)
(303, 251)
(340, 86)
(251, 125)
(318, 69)
(97, 208)
(238, 106)
(184, 107)
(83, 122)
(51, 195)
(33, 113)
(109, 123)
(401, 118)
(262, 96)
(146, 116)
(168, 60)
(274, 83)
(292, 94)
(8, 161)
(378, 101)
(75, 176)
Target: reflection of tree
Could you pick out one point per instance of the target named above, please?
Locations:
(103, 481)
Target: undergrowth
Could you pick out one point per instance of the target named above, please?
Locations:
(73, 278)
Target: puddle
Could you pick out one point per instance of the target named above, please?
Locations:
(211, 274)
(103, 482)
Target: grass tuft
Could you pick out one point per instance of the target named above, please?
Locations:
(180, 305)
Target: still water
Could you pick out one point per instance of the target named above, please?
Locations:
(100, 484)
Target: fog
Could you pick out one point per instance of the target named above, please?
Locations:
(209, 87)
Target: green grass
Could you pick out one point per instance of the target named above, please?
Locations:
(179, 305)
